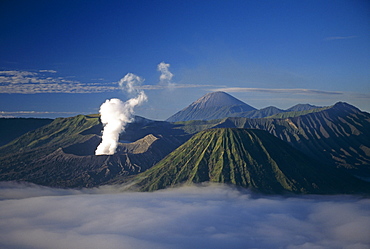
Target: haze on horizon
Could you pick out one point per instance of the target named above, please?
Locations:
(63, 58)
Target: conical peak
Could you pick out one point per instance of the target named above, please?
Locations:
(215, 105)
(216, 99)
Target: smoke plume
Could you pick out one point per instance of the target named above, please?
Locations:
(115, 114)
(166, 75)
(130, 83)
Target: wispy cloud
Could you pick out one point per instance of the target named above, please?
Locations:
(332, 38)
(10, 114)
(47, 71)
(25, 82)
(277, 90)
(174, 86)
(16, 74)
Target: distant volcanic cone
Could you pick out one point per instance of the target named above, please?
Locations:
(213, 105)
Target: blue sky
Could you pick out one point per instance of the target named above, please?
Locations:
(63, 58)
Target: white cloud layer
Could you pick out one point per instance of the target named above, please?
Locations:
(214, 216)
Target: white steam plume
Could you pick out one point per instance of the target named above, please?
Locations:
(130, 83)
(166, 75)
(115, 114)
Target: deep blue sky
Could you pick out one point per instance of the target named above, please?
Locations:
(62, 58)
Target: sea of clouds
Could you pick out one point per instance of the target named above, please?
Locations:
(206, 216)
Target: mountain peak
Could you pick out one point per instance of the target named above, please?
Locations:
(344, 105)
(213, 105)
(217, 99)
(302, 107)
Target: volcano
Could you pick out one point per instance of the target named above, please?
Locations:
(61, 153)
(213, 105)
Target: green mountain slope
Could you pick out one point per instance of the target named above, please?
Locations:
(247, 158)
(338, 135)
(61, 132)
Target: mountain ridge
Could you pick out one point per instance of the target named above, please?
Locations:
(302, 107)
(338, 136)
(217, 105)
(247, 158)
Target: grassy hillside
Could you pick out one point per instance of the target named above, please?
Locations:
(248, 158)
(338, 135)
(61, 132)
